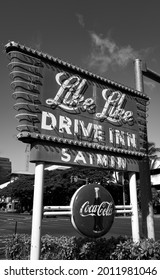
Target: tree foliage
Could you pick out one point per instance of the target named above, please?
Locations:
(153, 154)
(21, 189)
(58, 188)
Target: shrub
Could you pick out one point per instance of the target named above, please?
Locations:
(18, 247)
(63, 247)
(78, 248)
(146, 249)
(98, 249)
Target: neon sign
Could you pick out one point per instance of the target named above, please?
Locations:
(57, 102)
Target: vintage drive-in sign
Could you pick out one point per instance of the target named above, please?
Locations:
(93, 210)
(73, 117)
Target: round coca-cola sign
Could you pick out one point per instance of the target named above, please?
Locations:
(92, 210)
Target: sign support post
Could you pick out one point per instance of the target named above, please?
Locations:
(37, 212)
(134, 203)
(144, 169)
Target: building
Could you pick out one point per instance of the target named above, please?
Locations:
(5, 163)
(5, 169)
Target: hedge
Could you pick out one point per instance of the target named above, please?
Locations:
(79, 248)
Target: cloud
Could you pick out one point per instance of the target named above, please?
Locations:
(106, 53)
(80, 20)
(150, 84)
(36, 41)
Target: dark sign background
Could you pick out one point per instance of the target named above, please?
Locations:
(57, 102)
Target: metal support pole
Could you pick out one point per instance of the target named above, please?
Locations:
(37, 212)
(123, 189)
(124, 197)
(150, 73)
(144, 171)
(138, 75)
(134, 203)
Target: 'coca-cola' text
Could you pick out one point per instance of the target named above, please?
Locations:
(103, 209)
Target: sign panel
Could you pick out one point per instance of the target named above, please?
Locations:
(58, 102)
(57, 153)
(92, 210)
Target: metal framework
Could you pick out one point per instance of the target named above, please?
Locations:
(150, 73)
(66, 210)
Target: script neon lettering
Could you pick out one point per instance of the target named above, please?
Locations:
(70, 97)
(113, 110)
(104, 209)
(69, 94)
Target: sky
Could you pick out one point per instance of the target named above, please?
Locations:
(103, 37)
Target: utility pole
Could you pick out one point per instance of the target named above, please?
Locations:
(144, 168)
